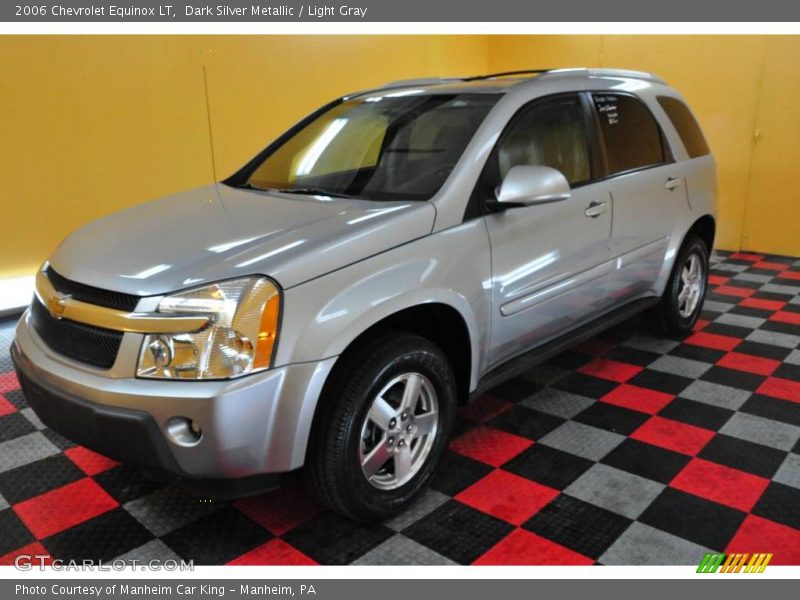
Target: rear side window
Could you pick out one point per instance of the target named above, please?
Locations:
(631, 136)
(686, 125)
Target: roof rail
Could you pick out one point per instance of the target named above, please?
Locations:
(421, 81)
(591, 72)
(507, 74)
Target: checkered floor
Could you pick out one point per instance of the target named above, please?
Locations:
(626, 450)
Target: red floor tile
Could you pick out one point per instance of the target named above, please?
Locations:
(762, 535)
(749, 363)
(274, 552)
(795, 275)
(718, 279)
(489, 445)
(720, 484)
(31, 550)
(507, 496)
(672, 435)
(700, 324)
(282, 510)
(777, 387)
(784, 316)
(747, 256)
(484, 408)
(6, 408)
(638, 398)
(522, 547)
(713, 340)
(771, 266)
(762, 304)
(732, 290)
(89, 462)
(613, 370)
(64, 507)
(8, 381)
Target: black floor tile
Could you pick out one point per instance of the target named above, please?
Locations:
(696, 413)
(102, 538)
(217, 538)
(743, 455)
(526, 422)
(458, 532)
(661, 382)
(585, 385)
(612, 418)
(37, 478)
(335, 540)
(457, 472)
(646, 460)
(548, 466)
(578, 525)
(733, 378)
(693, 518)
(780, 503)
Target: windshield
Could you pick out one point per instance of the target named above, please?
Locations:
(395, 146)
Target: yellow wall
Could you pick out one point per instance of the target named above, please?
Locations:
(736, 85)
(90, 125)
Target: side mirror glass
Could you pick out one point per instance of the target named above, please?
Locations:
(525, 185)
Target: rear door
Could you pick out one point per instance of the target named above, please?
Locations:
(647, 188)
(550, 262)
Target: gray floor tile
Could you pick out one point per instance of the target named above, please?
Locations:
(558, 402)
(583, 440)
(789, 473)
(645, 545)
(716, 394)
(152, 550)
(650, 344)
(618, 491)
(25, 450)
(430, 501)
(680, 366)
(774, 338)
(740, 321)
(762, 431)
(399, 550)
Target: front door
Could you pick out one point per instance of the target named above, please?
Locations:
(550, 262)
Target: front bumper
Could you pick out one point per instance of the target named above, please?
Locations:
(251, 426)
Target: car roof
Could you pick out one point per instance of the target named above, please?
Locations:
(507, 80)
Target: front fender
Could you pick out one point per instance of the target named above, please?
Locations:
(322, 317)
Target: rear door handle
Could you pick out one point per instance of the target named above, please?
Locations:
(595, 209)
(672, 183)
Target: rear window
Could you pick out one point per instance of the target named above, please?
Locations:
(686, 125)
(630, 134)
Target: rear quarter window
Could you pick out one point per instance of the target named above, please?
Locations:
(686, 125)
(630, 134)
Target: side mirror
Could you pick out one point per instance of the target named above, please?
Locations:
(525, 185)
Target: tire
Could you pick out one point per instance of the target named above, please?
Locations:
(355, 432)
(676, 314)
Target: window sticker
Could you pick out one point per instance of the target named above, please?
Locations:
(606, 105)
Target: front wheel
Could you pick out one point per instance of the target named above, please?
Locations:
(383, 425)
(683, 297)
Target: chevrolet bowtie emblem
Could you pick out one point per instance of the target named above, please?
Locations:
(56, 304)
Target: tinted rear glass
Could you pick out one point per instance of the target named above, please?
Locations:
(630, 134)
(686, 125)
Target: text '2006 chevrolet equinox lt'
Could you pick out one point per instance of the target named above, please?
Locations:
(395, 253)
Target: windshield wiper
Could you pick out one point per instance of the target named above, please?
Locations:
(312, 191)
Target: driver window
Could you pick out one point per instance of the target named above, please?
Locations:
(550, 133)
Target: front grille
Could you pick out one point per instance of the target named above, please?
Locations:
(91, 345)
(92, 295)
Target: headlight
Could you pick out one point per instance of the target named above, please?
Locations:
(239, 340)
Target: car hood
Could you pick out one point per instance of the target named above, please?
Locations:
(219, 232)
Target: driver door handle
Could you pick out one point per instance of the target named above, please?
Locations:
(595, 209)
(672, 183)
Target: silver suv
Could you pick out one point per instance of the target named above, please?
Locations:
(394, 254)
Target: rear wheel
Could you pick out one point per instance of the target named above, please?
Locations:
(683, 297)
(383, 426)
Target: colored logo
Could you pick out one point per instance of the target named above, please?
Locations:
(734, 563)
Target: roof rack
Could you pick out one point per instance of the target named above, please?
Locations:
(626, 73)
